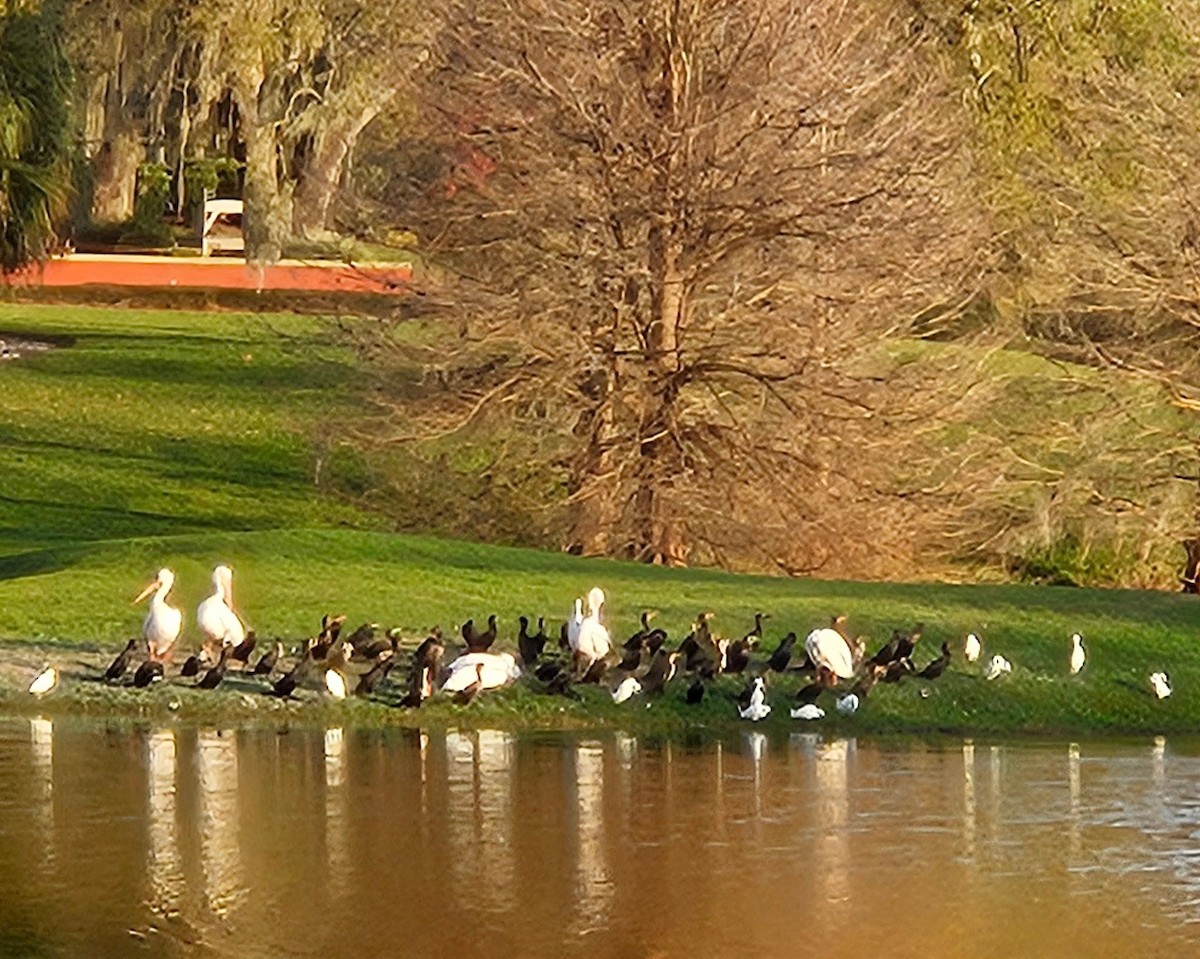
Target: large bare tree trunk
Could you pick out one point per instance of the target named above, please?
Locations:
(114, 169)
(321, 175)
(263, 223)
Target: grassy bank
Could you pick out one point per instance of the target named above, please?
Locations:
(73, 603)
(151, 438)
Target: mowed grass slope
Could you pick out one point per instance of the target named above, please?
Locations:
(154, 423)
(189, 439)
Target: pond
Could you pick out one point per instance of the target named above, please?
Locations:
(182, 841)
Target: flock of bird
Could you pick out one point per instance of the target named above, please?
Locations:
(584, 653)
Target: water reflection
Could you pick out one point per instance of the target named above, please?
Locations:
(968, 827)
(593, 887)
(480, 814)
(832, 853)
(480, 843)
(218, 772)
(41, 741)
(162, 859)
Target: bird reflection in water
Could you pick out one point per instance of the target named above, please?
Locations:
(755, 747)
(336, 839)
(479, 814)
(41, 741)
(162, 865)
(593, 886)
(968, 752)
(1073, 817)
(832, 853)
(219, 851)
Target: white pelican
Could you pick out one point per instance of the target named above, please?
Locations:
(808, 711)
(1161, 684)
(163, 623)
(594, 642)
(757, 708)
(827, 647)
(626, 689)
(215, 616)
(335, 683)
(1078, 656)
(972, 648)
(499, 669)
(997, 667)
(45, 681)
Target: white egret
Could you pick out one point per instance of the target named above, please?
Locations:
(626, 689)
(215, 616)
(163, 623)
(757, 707)
(1161, 684)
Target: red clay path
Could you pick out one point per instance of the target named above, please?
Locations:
(221, 273)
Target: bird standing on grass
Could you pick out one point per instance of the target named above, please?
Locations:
(754, 705)
(972, 648)
(1078, 656)
(828, 647)
(215, 616)
(118, 666)
(163, 623)
(1161, 684)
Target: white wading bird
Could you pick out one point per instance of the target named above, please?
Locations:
(808, 711)
(215, 616)
(972, 648)
(627, 688)
(163, 623)
(592, 642)
(499, 669)
(829, 648)
(1078, 656)
(45, 681)
(757, 707)
(1161, 684)
(997, 667)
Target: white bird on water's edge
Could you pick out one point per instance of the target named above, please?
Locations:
(499, 669)
(808, 711)
(215, 616)
(163, 623)
(1161, 684)
(573, 625)
(1078, 656)
(592, 641)
(972, 648)
(997, 667)
(45, 681)
(757, 708)
(627, 688)
(335, 682)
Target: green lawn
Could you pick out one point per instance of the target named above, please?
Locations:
(186, 439)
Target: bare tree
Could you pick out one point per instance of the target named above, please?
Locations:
(677, 237)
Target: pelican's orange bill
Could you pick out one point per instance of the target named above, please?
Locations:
(147, 591)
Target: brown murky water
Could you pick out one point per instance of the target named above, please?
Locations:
(198, 842)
